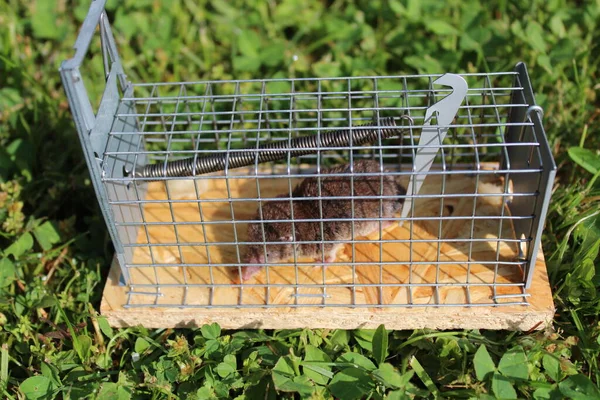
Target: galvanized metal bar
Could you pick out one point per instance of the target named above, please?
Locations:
(547, 177)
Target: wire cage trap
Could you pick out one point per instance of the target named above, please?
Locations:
(182, 169)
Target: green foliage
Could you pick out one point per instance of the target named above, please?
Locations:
(380, 344)
(36, 387)
(511, 368)
(578, 387)
(351, 383)
(484, 366)
(316, 365)
(55, 252)
(586, 159)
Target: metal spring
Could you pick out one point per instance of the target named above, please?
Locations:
(274, 151)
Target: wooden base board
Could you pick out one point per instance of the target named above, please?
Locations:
(536, 315)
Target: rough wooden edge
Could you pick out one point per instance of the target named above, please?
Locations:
(538, 315)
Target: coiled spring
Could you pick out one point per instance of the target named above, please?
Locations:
(269, 152)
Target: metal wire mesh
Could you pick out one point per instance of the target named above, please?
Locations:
(470, 236)
(193, 119)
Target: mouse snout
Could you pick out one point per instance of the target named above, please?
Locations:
(254, 257)
(249, 272)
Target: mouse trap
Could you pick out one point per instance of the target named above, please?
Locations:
(181, 169)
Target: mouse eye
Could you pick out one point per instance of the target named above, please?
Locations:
(270, 230)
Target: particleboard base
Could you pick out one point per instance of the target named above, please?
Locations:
(537, 315)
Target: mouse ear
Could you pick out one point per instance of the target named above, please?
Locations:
(286, 238)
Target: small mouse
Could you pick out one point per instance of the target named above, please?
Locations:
(331, 186)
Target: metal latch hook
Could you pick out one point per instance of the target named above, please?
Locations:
(432, 136)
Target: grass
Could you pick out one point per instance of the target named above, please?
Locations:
(55, 252)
